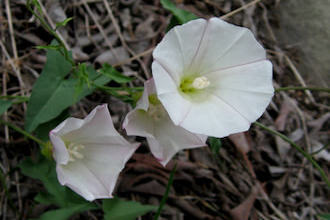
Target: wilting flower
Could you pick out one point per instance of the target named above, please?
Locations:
(149, 119)
(212, 77)
(90, 154)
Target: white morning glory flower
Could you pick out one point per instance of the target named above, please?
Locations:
(90, 154)
(212, 77)
(149, 119)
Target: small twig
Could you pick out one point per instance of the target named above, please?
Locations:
(271, 205)
(26, 134)
(239, 9)
(137, 56)
(53, 26)
(299, 78)
(122, 40)
(303, 88)
(99, 27)
(13, 43)
(306, 155)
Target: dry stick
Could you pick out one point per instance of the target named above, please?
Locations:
(122, 40)
(89, 11)
(299, 78)
(271, 205)
(319, 89)
(306, 155)
(4, 92)
(19, 195)
(11, 32)
(10, 60)
(14, 48)
(239, 9)
(52, 25)
(134, 57)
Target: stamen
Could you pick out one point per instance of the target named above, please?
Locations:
(201, 82)
(73, 150)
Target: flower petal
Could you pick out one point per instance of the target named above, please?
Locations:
(138, 123)
(98, 123)
(175, 104)
(60, 152)
(179, 46)
(97, 154)
(247, 88)
(226, 45)
(214, 117)
(165, 139)
(238, 76)
(170, 139)
(95, 175)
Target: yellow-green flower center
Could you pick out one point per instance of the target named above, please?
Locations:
(74, 150)
(193, 84)
(155, 109)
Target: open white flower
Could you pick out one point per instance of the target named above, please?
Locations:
(90, 154)
(149, 119)
(212, 77)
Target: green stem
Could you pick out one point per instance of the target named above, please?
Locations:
(306, 155)
(168, 187)
(26, 134)
(303, 88)
(26, 98)
(65, 52)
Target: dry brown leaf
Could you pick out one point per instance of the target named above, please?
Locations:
(241, 142)
(242, 211)
(280, 121)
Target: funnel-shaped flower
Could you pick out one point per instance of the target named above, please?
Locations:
(212, 77)
(149, 119)
(90, 154)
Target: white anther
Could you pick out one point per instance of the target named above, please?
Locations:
(73, 150)
(201, 82)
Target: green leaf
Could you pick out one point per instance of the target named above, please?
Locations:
(42, 131)
(44, 170)
(113, 74)
(4, 105)
(41, 107)
(64, 213)
(215, 145)
(181, 15)
(37, 5)
(116, 209)
(68, 201)
(63, 23)
(52, 93)
(324, 216)
(49, 47)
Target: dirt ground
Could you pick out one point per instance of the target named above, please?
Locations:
(257, 174)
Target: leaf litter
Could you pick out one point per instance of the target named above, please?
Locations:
(259, 176)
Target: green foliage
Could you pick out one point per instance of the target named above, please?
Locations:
(42, 131)
(324, 216)
(63, 23)
(4, 105)
(168, 187)
(49, 47)
(113, 74)
(116, 209)
(215, 145)
(181, 16)
(68, 201)
(53, 93)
